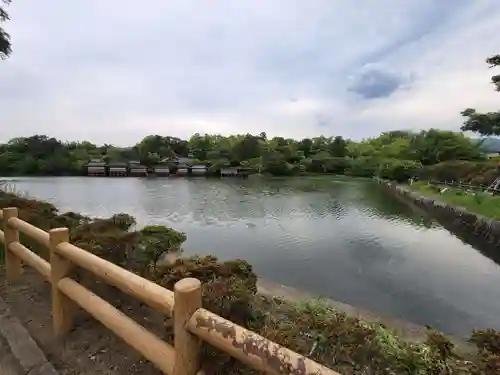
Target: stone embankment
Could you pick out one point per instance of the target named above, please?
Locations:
(451, 217)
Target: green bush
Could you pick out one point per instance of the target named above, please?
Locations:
(398, 170)
(475, 173)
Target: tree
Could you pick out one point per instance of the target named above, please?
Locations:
(305, 146)
(435, 146)
(485, 124)
(44, 155)
(5, 45)
(338, 147)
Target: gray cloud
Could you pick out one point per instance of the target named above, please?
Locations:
(376, 82)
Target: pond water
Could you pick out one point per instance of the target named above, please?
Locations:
(341, 238)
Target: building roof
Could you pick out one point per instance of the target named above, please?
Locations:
(118, 164)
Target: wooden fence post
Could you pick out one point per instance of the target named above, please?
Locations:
(187, 299)
(62, 306)
(13, 264)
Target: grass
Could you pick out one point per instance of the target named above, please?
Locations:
(473, 201)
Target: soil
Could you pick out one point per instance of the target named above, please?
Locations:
(90, 348)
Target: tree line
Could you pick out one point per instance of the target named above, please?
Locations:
(396, 154)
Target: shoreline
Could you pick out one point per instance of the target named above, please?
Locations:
(409, 332)
(454, 218)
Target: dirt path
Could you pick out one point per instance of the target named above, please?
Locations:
(90, 348)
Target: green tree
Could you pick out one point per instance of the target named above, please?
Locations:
(434, 146)
(338, 147)
(485, 124)
(5, 45)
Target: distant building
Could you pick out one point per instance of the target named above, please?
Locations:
(229, 171)
(182, 170)
(161, 170)
(96, 167)
(199, 169)
(117, 169)
(137, 169)
(235, 171)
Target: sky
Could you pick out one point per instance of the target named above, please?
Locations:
(115, 71)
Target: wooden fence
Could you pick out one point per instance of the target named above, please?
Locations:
(463, 185)
(192, 324)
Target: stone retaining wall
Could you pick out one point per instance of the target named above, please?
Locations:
(451, 217)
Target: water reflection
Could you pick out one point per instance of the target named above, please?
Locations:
(342, 238)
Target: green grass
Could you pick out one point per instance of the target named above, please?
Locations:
(473, 201)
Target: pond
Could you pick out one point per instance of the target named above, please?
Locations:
(342, 238)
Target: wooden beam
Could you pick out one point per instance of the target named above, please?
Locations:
(62, 306)
(187, 346)
(150, 346)
(13, 264)
(250, 348)
(144, 290)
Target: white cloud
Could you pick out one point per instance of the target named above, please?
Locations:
(452, 75)
(114, 71)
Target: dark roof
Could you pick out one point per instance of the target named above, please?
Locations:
(118, 164)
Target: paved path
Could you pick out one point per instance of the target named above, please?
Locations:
(8, 364)
(19, 353)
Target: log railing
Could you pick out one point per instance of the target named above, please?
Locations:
(192, 324)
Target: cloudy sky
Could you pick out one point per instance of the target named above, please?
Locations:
(114, 71)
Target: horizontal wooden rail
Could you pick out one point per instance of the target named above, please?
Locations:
(149, 345)
(192, 323)
(251, 348)
(31, 259)
(144, 290)
(31, 231)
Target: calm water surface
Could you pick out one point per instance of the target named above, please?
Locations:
(341, 238)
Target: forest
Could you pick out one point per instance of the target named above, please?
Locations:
(395, 155)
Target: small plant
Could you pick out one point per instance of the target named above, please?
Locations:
(156, 240)
(479, 197)
(440, 344)
(488, 340)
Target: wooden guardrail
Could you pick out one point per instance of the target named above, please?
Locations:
(192, 324)
(462, 185)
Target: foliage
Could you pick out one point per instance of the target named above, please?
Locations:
(155, 241)
(43, 155)
(5, 46)
(488, 123)
(487, 340)
(488, 343)
(475, 173)
(398, 170)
